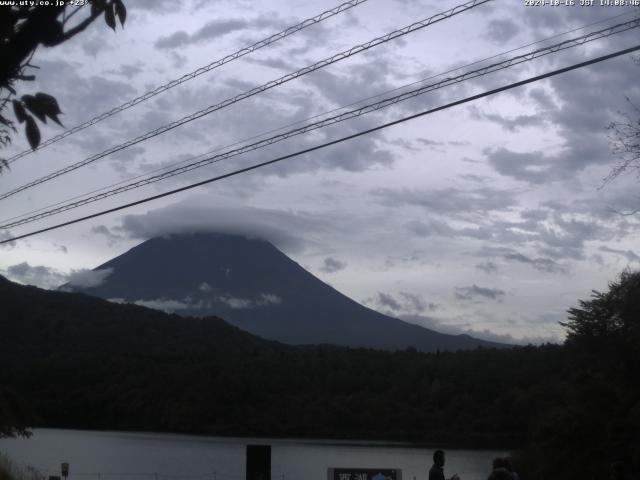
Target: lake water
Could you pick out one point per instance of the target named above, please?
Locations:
(152, 456)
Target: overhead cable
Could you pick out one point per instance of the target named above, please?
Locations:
(616, 29)
(189, 76)
(327, 144)
(254, 91)
(319, 115)
(298, 122)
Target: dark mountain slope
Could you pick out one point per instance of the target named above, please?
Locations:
(254, 286)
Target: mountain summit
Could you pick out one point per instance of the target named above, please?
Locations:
(254, 286)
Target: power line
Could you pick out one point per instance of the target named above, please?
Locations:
(239, 142)
(189, 76)
(332, 142)
(254, 91)
(616, 29)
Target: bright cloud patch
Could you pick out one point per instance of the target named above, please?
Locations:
(263, 300)
(163, 304)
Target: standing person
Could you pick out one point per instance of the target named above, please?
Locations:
(437, 472)
(500, 473)
(504, 463)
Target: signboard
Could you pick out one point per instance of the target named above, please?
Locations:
(64, 468)
(364, 474)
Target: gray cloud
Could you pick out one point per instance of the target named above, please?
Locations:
(582, 116)
(430, 228)
(50, 278)
(433, 145)
(176, 39)
(94, 44)
(528, 167)
(510, 124)
(579, 152)
(6, 235)
(361, 80)
(502, 30)
(408, 303)
(415, 258)
(129, 70)
(82, 97)
(534, 214)
(450, 200)
(214, 29)
(474, 291)
(246, 119)
(387, 300)
(112, 238)
(331, 265)
(628, 254)
(568, 238)
(471, 177)
(158, 6)
(487, 267)
(579, 105)
(217, 28)
(543, 99)
(39, 275)
(271, 62)
(429, 143)
(541, 264)
(416, 303)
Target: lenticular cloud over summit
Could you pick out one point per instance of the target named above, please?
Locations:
(196, 214)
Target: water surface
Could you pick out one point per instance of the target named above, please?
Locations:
(153, 456)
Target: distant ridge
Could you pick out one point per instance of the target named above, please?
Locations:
(256, 287)
(37, 323)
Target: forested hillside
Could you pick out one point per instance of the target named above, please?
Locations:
(571, 410)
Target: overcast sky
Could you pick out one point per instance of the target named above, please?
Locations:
(490, 217)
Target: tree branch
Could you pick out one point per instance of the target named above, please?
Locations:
(81, 26)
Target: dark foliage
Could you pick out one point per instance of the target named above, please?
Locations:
(624, 135)
(15, 414)
(600, 424)
(23, 28)
(84, 362)
(319, 392)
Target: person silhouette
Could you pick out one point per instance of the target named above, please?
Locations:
(505, 463)
(500, 473)
(437, 470)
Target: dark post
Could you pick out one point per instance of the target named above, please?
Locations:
(64, 469)
(258, 462)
